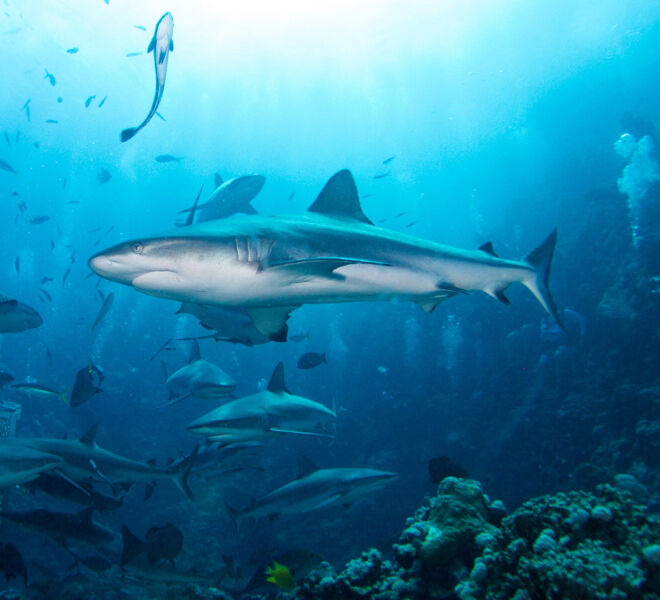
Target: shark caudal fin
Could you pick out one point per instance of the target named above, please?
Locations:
(540, 259)
(127, 134)
(180, 471)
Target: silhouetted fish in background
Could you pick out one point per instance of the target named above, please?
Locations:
(309, 360)
(161, 543)
(73, 50)
(11, 563)
(103, 176)
(161, 45)
(50, 77)
(16, 316)
(88, 380)
(5, 166)
(167, 158)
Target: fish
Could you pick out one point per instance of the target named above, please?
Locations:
(258, 263)
(103, 176)
(411, 223)
(166, 158)
(39, 220)
(280, 576)
(309, 360)
(49, 356)
(27, 103)
(103, 101)
(46, 295)
(89, 101)
(270, 413)
(161, 45)
(103, 311)
(381, 175)
(73, 50)
(5, 166)
(388, 160)
(27, 114)
(66, 275)
(84, 460)
(87, 384)
(52, 121)
(230, 324)
(36, 390)
(5, 378)
(231, 197)
(161, 543)
(12, 564)
(6, 135)
(312, 491)
(217, 459)
(161, 117)
(299, 337)
(71, 527)
(21, 465)
(140, 27)
(61, 487)
(132, 54)
(64, 184)
(16, 316)
(199, 379)
(50, 77)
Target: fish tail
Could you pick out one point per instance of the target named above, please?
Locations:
(127, 134)
(132, 546)
(181, 470)
(540, 260)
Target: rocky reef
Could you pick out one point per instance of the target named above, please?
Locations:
(461, 545)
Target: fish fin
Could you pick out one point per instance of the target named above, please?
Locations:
(127, 134)
(271, 321)
(339, 198)
(432, 303)
(171, 45)
(488, 249)
(306, 466)
(540, 259)
(149, 488)
(71, 481)
(89, 439)
(248, 209)
(132, 546)
(195, 354)
(181, 470)
(217, 180)
(322, 266)
(499, 294)
(276, 384)
(152, 44)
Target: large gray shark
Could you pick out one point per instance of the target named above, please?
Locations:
(272, 412)
(84, 460)
(315, 490)
(271, 265)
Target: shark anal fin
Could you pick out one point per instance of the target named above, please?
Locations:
(430, 304)
(499, 294)
(339, 199)
(271, 321)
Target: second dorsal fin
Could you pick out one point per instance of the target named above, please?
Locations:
(488, 249)
(277, 385)
(339, 199)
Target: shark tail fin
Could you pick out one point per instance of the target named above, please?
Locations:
(181, 470)
(127, 134)
(132, 546)
(540, 259)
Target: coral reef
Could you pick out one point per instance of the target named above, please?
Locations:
(461, 545)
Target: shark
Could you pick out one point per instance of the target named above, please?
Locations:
(271, 412)
(84, 460)
(314, 490)
(20, 465)
(271, 265)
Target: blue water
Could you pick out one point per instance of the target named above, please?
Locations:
(502, 118)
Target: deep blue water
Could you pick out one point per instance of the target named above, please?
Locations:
(502, 120)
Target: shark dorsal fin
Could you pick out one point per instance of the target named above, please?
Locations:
(306, 466)
(217, 180)
(195, 354)
(85, 515)
(277, 385)
(339, 198)
(488, 249)
(89, 439)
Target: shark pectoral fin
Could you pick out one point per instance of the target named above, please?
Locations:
(322, 266)
(271, 321)
(71, 481)
(152, 45)
(430, 304)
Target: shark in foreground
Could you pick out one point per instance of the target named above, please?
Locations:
(271, 265)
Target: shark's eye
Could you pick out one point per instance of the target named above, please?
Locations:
(138, 248)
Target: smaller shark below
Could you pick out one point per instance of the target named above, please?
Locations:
(271, 265)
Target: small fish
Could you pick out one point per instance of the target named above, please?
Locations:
(5, 378)
(50, 77)
(46, 280)
(52, 245)
(5, 166)
(103, 311)
(280, 576)
(17, 265)
(399, 215)
(87, 384)
(309, 360)
(100, 295)
(166, 158)
(66, 275)
(140, 27)
(132, 54)
(49, 355)
(388, 160)
(161, 45)
(291, 195)
(103, 101)
(161, 543)
(73, 50)
(365, 196)
(59, 100)
(45, 294)
(15, 194)
(22, 207)
(7, 139)
(36, 390)
(103, 176)
(299, 337)
(54, 121)
(64, 184)
(27, 103)
(27, 112)
(89, 100)
(412, 223)
(39, 220)
(381, 175)
(72, 258)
